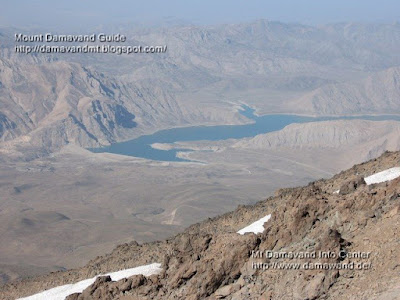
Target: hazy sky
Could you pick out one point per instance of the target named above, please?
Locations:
(76, 13)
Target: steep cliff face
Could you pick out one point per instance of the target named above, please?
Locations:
(342, 220)
(58, 102)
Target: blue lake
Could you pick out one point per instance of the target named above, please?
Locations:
(140, 147)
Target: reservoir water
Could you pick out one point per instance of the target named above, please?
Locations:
(140, 147)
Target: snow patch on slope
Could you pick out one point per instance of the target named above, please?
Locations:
(61, 292)
(256, 227)
(383, 176)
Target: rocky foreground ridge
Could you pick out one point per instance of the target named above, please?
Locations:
(357, 226)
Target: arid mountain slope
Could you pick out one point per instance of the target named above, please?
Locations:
(61, 100)
(379, 93)
(51, 99)
(50, 104)
(211, 261)
(327, 147)
(341, 134)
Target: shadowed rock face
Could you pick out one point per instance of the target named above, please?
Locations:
(124, 118)
(120, 117)
(211, 261)
(5, 124)
(351, 186)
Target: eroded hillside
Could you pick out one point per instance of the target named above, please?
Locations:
(341, 215)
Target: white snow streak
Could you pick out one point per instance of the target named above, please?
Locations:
(383, 176)
(61, 292)
(256, 227)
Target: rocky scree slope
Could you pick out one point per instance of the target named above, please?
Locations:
(210, 260)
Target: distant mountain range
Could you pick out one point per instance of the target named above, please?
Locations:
(92, 100)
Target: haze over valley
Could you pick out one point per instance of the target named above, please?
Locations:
(79, 204)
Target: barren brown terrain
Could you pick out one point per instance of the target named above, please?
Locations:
(209, 260)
